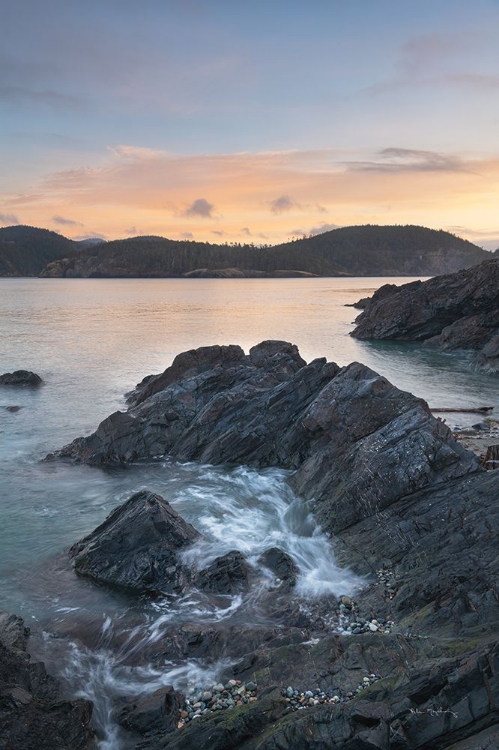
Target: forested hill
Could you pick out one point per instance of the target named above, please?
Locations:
(25, 251)
(352, 251)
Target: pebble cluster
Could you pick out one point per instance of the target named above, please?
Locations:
(387, 579)
(306, 699)
(218, 697)
(350, 621)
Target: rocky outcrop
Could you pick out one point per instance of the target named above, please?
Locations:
(446, 703)
(152, 714)
(357, 443)
(137, 547)
(457, 311)
(20, 377)
(406, 505)
(32, 713)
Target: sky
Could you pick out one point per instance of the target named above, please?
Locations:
(249, 122)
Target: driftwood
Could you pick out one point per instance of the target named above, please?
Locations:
(471, 410)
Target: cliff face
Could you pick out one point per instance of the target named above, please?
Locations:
(456, 311)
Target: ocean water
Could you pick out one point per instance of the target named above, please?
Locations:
(93, 340)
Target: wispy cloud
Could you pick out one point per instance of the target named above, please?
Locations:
(408, 160)
(66, 222)
(55, 99)
(9, 219)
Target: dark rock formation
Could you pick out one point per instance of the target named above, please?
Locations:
(281, 565)
(136, 548)
(357, 442)
(228, 574)
(32, 714)
(406, 504)
(20, 377)
(457, 311)
(152, 714)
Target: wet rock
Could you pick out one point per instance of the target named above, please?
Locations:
(228, 574)
(32, 711)
(281, 565)
(12, 408)
(456, 311)
(21, 377)
(137, 546)
(158, 712)
(357, 442)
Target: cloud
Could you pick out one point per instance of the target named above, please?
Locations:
(200, 208)
(282, 204)
(323, 228)
(246, 232)
(17, 95)
(91, 236)
(9, 219)
(131, 231)
(187, 236)
(408, 160)
(219, 232)
(66, 222)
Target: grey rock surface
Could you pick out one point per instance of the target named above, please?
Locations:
(33, 715)
(137, 547)
(455, 311)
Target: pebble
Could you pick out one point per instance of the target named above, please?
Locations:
(207, 699)
(305, 699)
(349, 620)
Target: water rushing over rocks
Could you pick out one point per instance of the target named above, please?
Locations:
(248, 591)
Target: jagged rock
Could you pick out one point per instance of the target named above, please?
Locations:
(456, 311)
(228, 574)
(281, 565)
(136, 547)
(437, 703)
(33, 715)
(157, 712)
(358, 442)
(20, 377)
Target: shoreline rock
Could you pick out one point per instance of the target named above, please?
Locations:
(405, 504)
(32, 711)
(21, 378)
(451, 312)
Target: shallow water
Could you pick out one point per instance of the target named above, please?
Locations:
(93, 340)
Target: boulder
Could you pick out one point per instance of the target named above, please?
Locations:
(33, 714)
(281, 564)
(157, 712)
(228, 574)
(20, 377)
(137, 547)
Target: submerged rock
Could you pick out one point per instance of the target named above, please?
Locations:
(32, 711)
(20, 377)
(456, 311)
(137, 546)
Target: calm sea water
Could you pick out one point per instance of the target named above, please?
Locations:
(93, 340)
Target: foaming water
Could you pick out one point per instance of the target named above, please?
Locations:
(91, 341)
